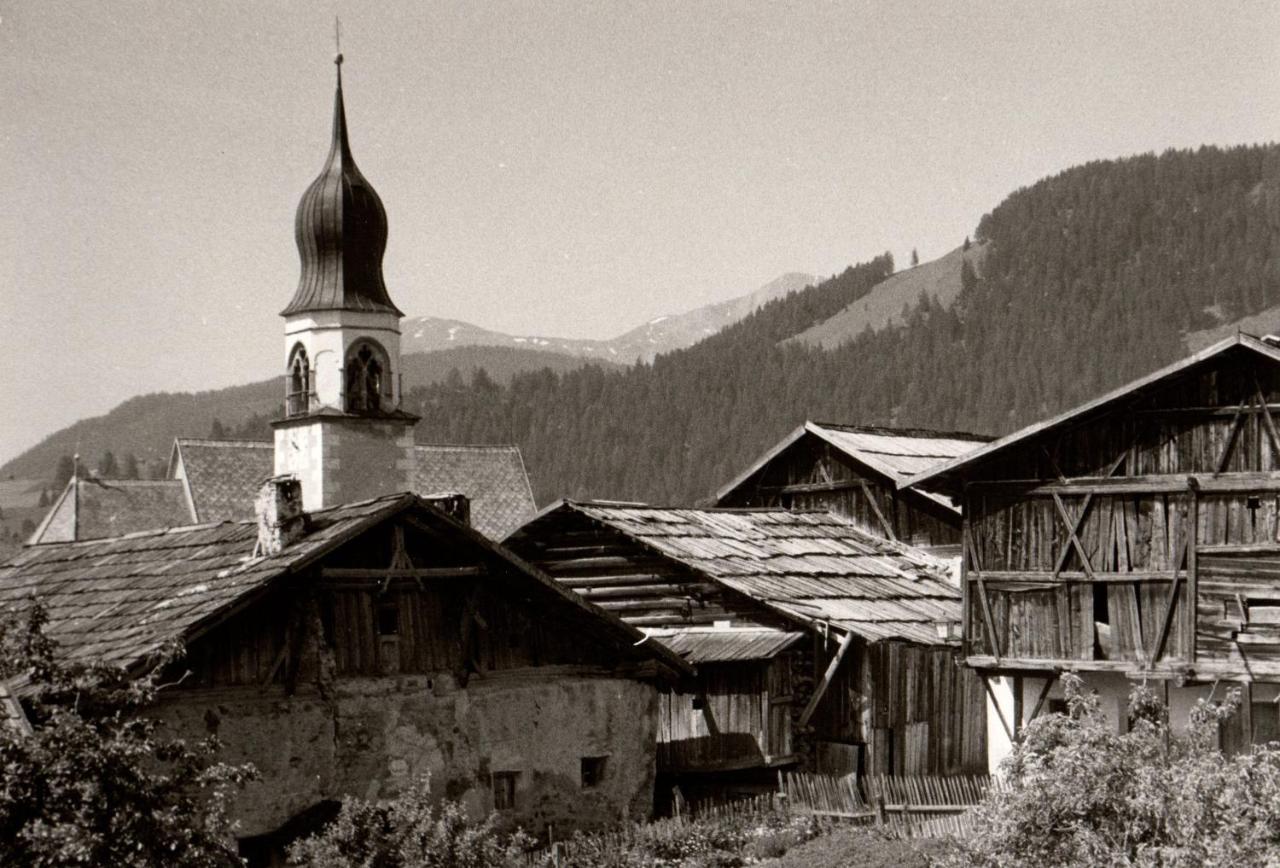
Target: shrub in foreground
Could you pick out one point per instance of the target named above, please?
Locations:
(410, 831)
(1082, 794)
(96, 782)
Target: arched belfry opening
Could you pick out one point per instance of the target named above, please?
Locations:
(368, 378)
(298, 383)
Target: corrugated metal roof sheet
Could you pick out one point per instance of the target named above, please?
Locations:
(725, 646)
(812, 566)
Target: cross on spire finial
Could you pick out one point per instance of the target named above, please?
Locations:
(337, 44)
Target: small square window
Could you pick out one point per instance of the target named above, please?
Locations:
(592, 771)
(504, 790)
(1253, 502)
(695, 702)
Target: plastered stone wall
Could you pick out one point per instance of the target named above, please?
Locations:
(341, 460)
(373, 737)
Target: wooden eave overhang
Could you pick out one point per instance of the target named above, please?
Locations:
(951, 475)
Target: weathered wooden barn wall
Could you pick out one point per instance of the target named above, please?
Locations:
(892, 706)
(734, 716)
(346, 684)
(1086, 545)
(910, 709)
(813, 474)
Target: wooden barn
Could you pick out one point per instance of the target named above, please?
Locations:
(1134, 537)
(816, 644)
(855, 471)
(354, 649)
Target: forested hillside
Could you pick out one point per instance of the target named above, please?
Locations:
(1092, 277)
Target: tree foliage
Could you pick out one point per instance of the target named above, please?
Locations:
(1083, 794)
(411, 831)
(1092, 278)
(97, 783)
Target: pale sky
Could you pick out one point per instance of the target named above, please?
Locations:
(565, 169)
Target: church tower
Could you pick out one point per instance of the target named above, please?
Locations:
(343, 435)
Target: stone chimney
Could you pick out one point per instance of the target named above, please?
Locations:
(281, 521)
(451, 503)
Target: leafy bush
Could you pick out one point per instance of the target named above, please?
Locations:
(95, 784)
(1082, 794)
(410, 831)
(709, 842)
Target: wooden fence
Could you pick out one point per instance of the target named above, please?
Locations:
(917, 805)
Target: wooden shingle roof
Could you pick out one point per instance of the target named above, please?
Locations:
(813, 567)
(120, 600)
(892, 453)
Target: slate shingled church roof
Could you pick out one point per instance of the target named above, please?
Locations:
(217, 480)
(493, 477)
(223, 475)
(120, 600)
(96, 508)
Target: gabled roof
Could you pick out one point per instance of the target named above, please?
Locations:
(11, 713)
(120, 600)
(223, 476)
(813, 567)
(946, 475)
(97, 508)
(892, 453)
(493, 477)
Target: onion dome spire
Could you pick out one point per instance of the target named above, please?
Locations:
(341, 230)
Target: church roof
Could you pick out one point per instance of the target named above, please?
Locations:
(223, 476)
(97, 508)
(341, 231)
(493, 477)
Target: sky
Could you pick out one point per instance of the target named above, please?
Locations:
(567, 169)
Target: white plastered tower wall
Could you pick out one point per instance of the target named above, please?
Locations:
(327, 337)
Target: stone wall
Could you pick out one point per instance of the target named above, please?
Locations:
(372, 737)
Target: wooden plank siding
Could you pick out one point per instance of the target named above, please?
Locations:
(1085, 546)
(813, 474)
(467, 624)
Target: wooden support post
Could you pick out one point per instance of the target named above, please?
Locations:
(1193, 570)
(1170, 603)
(827, 678)
(1043, 695)
(1008, 730)
(982, 594)
(1225, 458)
(875, 507)
(1269, 423)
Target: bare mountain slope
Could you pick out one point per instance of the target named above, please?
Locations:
(661, 335)
(883, 305)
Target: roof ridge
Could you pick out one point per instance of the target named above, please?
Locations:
(505, 447)
(109, 482)
(209, 441)
(911, 432)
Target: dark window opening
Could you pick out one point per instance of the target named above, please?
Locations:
(1102, 623)
(388, 618)
(504, 790)
(1266, 722)
(592, 771)
(1056, 706)
(695, 702)
(365, 381)
(1253, 502)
